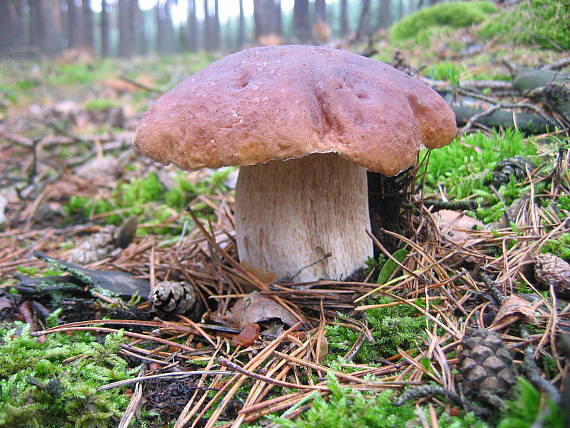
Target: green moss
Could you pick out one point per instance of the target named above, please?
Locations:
(444, 71)
(37, 389)
(465, 168)
(455, 73)
(454, 15)
(346, 408)
(535, 22)
(78, 74)
(101, 104)
(392, 328)
(523, 410)
(559, 247)
(149, 200)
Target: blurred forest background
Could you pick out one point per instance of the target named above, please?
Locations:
(125, 28)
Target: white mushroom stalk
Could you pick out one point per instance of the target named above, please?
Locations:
(304, 219)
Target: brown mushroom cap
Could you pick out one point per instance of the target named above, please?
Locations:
(286, 102)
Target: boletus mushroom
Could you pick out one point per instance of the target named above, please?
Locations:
(303, 123)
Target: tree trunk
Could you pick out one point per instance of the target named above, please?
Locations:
(192, 42)
(45, 36)
(320, 10)
(126, 36)
(344, 28)
(301, 25)
(8, 35)
(278, 18)
(137, 28)
(207, 27)
(241, 26)
(165, 30)
(216, 27)
(401, 12)
(104, 29)
(87, 23)
(385, 18)
(74, 25)
(363, 29)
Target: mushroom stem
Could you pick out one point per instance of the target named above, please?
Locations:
(291, 214)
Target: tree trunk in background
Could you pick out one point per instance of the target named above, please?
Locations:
(267, 17)
(8, 35)
(207, 27)
(45, 31)
(74, 25)
(126, 35)
(59, 42)
(104, 28)
(278, 18)
(192, 41)
(321, 29)
(138, 28)
(165, 30)
(385, 12)
(241, 26)
(301, 25)
(87, 23)
(363, 29)
(320, 10)
(216, 27)
(344, 28)
(400, 9)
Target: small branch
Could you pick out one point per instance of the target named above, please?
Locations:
(227, 363)
(180, 375)
(140, 85)
(452, 205)
(557, 65)
(493, 289)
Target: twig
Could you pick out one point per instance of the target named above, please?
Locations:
(227, 363)
(493, 289)
(557, 65)
(181, 375)
(452, 205)
(140, 85)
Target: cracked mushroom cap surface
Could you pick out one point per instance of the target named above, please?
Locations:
(287, 102)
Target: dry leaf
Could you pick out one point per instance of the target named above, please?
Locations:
(255, 308)
(512, 309)
(248, 335)
(456, 226)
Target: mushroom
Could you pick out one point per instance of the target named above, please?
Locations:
(304, 123)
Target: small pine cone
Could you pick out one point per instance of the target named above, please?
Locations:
(95, 248)
(485, 365)
(173, 296)
(553, 271)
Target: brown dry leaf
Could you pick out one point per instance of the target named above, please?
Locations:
(512, 309)
(255, 308)
(456, 226)
(248, 335)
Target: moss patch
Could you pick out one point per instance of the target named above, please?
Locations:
(39, 388)
(534, 22)
(453, 15)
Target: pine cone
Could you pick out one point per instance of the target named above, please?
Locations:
(485, 365)
(173, 296)
(511, 167)
(552, 270)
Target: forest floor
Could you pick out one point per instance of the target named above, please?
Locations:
(335, 354)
